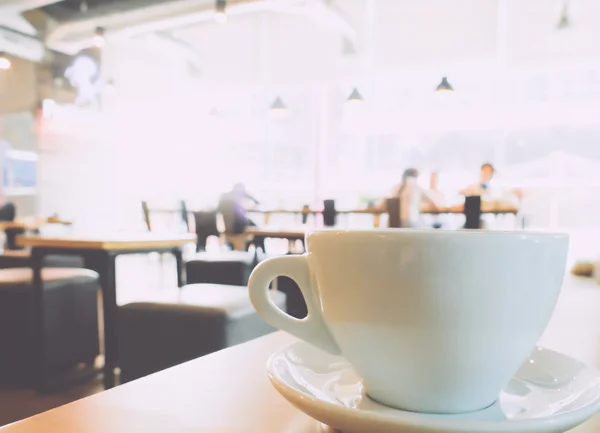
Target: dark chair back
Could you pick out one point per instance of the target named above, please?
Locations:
(206, 225)
(305, 213)
(184, 214)
(472, 212)
(146, 213)
(393, 209)
(329, 213)
(8, 212)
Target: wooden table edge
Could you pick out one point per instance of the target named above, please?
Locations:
(33, 242)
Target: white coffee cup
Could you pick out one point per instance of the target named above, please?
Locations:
(433, 321)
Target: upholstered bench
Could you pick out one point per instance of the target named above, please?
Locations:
(223, 267)
(172, 327)
(69, 324)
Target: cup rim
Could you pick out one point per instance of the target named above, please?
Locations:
(411, 232)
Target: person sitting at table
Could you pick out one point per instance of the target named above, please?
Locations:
(232, 206)
(483, 187)
(434, 193)
(412, 197)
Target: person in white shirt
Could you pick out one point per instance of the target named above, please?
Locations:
(412, 197)
(483, 187)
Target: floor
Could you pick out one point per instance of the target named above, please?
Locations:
(139, 275)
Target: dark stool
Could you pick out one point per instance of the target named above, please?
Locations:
(70, 324)
(172, 327)
(223, 267)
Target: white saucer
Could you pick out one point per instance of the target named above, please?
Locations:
(551, 393)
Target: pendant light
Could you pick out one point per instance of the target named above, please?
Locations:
(220, 11)
(278, 108)
(98, 40)
(5, 62)
(444, 86)
(355, 97)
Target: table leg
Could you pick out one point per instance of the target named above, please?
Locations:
(178, 253)
(376, 220)
(103, 262)
(38, 314)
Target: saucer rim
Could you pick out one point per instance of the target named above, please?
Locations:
(569, 419)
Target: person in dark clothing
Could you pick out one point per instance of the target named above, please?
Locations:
(8, 212)
(232, 207)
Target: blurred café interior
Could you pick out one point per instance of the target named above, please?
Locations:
(158, 150)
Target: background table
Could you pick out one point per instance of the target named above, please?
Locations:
(228, 392)
(486, 208)
(99, 254)
(282, 233)
(31, 224)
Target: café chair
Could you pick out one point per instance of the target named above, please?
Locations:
(329, 213)
(176, 326)
(392, 205)
(472, 212)
(206, 226)
(305, 213)
(35, 353)
(179, 212)
(8, 213)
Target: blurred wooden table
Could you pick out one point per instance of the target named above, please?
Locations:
(283, 233)
(486, 208)
(30, 224)
(228, 392)
(99, 253)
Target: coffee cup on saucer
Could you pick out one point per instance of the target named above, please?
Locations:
(432, 321)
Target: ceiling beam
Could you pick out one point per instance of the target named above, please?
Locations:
(72, 36)
(24, 5)
(21, 45)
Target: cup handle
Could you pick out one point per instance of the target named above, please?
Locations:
(312, 328)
